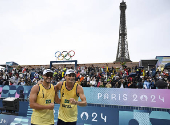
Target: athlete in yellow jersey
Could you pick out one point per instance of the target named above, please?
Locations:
(42, 98)
(70, 92)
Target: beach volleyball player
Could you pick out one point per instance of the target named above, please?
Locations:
(42, 100)
(70, 92)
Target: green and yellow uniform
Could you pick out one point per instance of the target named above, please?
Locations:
(68, 111)
(44, 97)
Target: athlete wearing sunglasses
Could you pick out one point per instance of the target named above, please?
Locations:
(42, 98)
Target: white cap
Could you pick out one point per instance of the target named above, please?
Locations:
(46, 71)
(69, 71)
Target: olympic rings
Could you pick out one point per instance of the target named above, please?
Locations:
(64, 55)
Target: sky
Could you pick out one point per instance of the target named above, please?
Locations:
(31, 31)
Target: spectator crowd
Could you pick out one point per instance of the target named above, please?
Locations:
(122, 77)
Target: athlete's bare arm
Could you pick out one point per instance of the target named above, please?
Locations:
(83, 102)
(57, 88)
(33, 98)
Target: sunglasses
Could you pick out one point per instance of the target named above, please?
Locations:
(49, 75)
(71, 75)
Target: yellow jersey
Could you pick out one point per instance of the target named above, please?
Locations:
(68, 111)
(44, 97)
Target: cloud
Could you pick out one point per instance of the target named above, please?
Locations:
(32, 31)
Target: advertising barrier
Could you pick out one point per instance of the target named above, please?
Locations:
(157, 98)
(106, 106)
(91, 115)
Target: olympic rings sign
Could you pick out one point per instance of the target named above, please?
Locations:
(64, 55)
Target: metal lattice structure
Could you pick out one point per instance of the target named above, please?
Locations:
(122, 51)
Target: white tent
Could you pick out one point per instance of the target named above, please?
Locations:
(2, 68)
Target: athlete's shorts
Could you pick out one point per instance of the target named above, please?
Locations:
(60, 122)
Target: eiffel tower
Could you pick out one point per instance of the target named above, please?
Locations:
(122, 51)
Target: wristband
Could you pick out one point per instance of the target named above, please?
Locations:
(76, 103)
